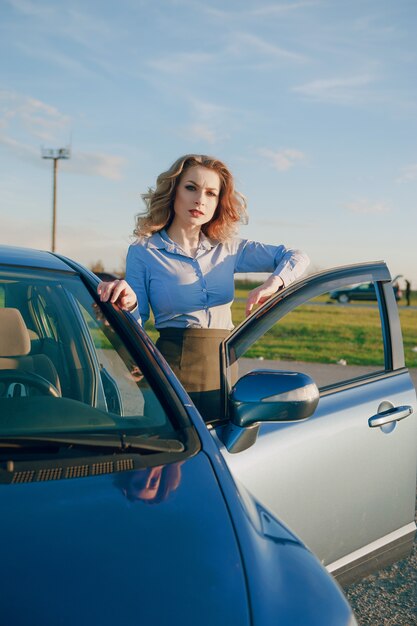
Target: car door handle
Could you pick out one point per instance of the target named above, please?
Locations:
(395, 414)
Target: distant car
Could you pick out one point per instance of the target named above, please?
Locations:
(364, 291)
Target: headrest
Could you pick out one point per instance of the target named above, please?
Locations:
(14, 335)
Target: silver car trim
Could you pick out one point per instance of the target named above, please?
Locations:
(371, 547)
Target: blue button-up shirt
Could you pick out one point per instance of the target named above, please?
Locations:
(198, 292)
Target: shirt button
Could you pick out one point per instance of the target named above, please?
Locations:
(204, 290)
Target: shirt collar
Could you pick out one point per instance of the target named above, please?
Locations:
(161, 240)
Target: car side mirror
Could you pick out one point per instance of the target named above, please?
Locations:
(266, 396)
(272, 396)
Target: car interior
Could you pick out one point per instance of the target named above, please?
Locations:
(55, 343)
(15, 354)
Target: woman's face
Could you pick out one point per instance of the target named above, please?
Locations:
(144, 484)
(196, 197)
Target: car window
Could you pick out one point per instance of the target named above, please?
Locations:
(53, 331)
(332, 342)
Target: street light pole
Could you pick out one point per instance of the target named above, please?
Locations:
(55, 154)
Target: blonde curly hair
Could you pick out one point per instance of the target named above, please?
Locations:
(230, 210)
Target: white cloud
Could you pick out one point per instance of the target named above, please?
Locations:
(65, 21)
(408, 173)
(266, 10)
(50, 55)
(373, 25)
(203, 132)
(43, 121)
(40, 120)
(33, 9)
(337, 90)
(241, 46)
(208, 110)
(75, 40)
(86, 163)
(282, 160)
(24, 120)
(209, 122)
(249, 45)
(96, 164)
(278, 8)
(20, 150)
(181, 62)
(366, 207)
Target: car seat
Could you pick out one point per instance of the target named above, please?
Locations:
(15, 348)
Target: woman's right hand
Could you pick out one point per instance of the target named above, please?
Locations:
(119, 292)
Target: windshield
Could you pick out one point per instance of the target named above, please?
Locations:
(63, 368)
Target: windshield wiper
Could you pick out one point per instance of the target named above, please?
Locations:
(122, 442)
(143, 442)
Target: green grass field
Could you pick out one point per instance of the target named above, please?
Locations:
(326, 334)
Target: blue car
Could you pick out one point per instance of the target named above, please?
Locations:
(120, 505)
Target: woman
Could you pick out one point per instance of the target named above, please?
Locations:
(151, 484)
(182, 266)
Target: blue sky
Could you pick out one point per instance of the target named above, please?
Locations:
(312, 104)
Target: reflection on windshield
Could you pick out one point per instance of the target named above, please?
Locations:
(151, 485)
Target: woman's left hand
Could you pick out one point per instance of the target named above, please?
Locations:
(263, 292)
(119, 292)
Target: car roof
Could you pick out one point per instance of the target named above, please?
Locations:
(28, 257)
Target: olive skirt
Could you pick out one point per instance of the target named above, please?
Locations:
(194, 356)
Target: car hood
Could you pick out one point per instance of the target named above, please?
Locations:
(107, 550)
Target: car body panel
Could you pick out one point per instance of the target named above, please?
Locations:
(26, 257)
(339, 484)
(280, 571)
(347, 474)
(105, 556)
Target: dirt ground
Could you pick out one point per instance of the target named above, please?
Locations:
(389, 597)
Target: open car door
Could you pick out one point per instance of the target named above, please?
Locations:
(330, 448)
